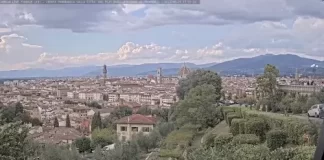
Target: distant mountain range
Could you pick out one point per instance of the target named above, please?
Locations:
(287, 64)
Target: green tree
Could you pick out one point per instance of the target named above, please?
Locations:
(144, 111)
(310, 102)
(147, 142)
(95, 105)
(198, 107)
(56, 122)
(267, 86)
(96, 121)
(19, 109)
(124, 151)
(83, 144)
(13, 138)
(67, 121)
(103, 137)
(116, 114)
(165, 128)
(286, 103)
(36, 122)
(52, 152)
(197, 78)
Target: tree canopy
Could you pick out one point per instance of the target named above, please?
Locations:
(197, 78)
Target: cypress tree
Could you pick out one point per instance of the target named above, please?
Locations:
(68, 123)
(56, 122)
(96, 121)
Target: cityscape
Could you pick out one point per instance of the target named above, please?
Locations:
(161, 80)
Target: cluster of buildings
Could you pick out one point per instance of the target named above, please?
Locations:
(81, 98)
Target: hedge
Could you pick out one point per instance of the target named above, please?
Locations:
(256, 126)
(231, 116)
(174, 153)
(246, 139)
(276, 138)
(235, 126)
(242, 126)
(251, 152)
(297, 153)
(294, 127)
(223, 139)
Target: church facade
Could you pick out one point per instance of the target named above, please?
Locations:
(183, 73)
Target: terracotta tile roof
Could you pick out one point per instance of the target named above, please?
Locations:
(136, 119)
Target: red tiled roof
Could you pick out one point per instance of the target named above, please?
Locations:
(136, 119)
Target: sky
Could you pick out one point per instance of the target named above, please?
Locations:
(58, 36)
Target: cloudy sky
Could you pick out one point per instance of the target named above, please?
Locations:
(56, 36)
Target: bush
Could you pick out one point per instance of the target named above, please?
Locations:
(181, 137)
(282, 154)
(235, 126)
(174, 153)
(226, 111)
(276, 139)
(297, 153)
(223, 139)
(83, 144)
(256, 126)
(208, 140)
(242, 126)
(246, 139)
(251, 152)
(294, 127)
(231, 116)
(296, 108)
(304, 153)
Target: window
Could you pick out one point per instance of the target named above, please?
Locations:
(123, 128)
(135, 129)
(146, 129)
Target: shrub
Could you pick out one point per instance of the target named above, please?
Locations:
(294, 127)
(226, 112)
(181, 137)
(276, 139)
(256, 126)
(251, 152)
(242, 126)
(246, 139)
(231, 116)
(208, 140)
(174, 153)
(296, 108)
(282, 154)
(235, 126)
(304, 153)
(223, 139)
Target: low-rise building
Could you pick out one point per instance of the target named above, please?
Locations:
(129, 126)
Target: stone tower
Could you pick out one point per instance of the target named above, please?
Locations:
(159, 75)
(104, 74)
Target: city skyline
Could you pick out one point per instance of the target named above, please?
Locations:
(57, 36)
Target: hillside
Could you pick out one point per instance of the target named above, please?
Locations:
(287, 64)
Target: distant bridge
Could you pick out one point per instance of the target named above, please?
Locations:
(301, 88)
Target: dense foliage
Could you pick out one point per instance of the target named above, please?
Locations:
(198, 78)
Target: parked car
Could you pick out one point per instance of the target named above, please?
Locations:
(316, 110)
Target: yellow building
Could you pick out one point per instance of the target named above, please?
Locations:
(129, 126)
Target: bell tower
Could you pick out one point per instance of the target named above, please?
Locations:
(159, 75)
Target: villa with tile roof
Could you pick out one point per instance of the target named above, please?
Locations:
(131, 125)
